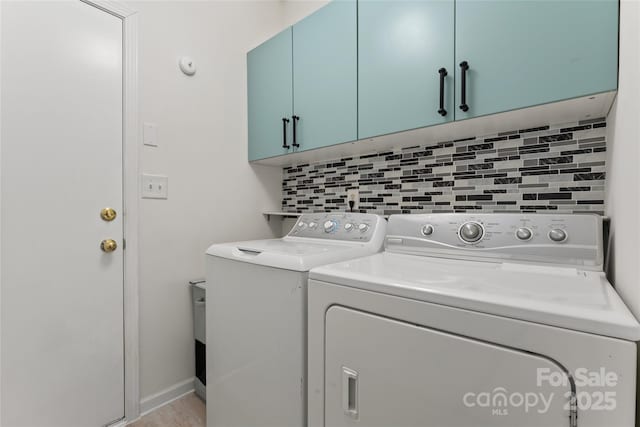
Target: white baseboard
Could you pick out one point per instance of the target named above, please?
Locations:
(168, 395)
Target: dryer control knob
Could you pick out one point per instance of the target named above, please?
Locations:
(301, 225)
(363, 227)
(427, 230)
(313, 225)
(329, 226)
(523, 233)
(558, 235)
(348, 226)
(471, 232)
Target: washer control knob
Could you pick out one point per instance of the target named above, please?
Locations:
(301, 225)
(471, 232)
(330, 226)
(427, 230)
(348, 226)
(313, 225)
(524, 233)
(558, 235)
(363, 228)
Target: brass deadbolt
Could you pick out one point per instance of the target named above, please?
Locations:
(108, 214)
(108, 245)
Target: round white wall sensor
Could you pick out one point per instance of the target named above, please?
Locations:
(188, 66)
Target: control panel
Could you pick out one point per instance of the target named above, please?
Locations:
(354, 227)
(548, 238)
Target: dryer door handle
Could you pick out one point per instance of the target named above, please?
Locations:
(350, 392)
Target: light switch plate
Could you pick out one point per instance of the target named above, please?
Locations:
(150, 134)
(155, 186)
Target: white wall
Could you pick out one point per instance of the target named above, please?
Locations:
(622, 192)
(295, 10)
(214, 194)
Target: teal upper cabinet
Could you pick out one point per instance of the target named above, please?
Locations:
(522, 53)
(325, 76)
(402, 45)
(356, 69)
(269, 87)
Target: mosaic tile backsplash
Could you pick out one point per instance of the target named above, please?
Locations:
(561, 169)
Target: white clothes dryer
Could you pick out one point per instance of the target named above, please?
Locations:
(473, 320)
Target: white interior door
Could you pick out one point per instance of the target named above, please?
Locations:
(61, 163)
(381, 373)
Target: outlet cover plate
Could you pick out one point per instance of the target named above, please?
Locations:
(155, 186)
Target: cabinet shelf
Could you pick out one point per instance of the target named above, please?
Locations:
(282, 215)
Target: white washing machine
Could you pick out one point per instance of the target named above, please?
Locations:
(257, 316)
(501, 320)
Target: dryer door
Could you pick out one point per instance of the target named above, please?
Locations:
(382, 372)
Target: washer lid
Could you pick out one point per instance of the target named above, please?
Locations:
(563, 297)
(291, 253)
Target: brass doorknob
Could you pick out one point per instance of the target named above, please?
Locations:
(108, 214)
(108, 245)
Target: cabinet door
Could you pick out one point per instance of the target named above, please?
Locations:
(325, 76)
(401, 47)
(270, 97)
(523, 53)
(380, 373)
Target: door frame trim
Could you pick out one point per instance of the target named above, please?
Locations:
(130, 158)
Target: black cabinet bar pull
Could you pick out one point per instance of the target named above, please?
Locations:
(295, 120)
(443, 74)
(464, 66)
(284, 132)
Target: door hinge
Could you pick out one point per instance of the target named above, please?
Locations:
(124, 244)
